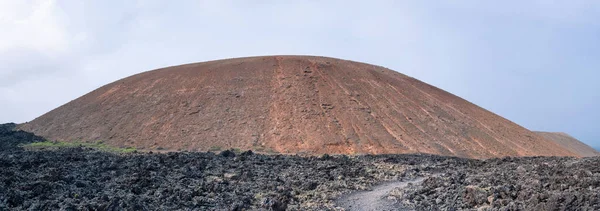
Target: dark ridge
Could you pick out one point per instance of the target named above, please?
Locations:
(11, 139)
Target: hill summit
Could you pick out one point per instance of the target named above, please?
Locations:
(287, 104)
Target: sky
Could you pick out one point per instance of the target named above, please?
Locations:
(533, 62)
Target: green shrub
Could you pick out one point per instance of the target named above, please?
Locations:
(214, 148)
(98, 145)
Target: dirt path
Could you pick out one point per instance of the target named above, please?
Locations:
(375, 198)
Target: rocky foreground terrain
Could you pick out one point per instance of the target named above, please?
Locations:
(87, 179)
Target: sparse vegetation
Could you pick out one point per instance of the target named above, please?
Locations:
(99, 145)
(265, 150)
(214, 149)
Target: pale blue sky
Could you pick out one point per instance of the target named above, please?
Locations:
(534, 62)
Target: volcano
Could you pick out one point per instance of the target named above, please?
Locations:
(288, 104)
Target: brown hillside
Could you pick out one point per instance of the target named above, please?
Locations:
(570, 143)
(289, 104)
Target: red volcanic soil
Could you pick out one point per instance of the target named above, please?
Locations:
(570, 143)
(288, 104)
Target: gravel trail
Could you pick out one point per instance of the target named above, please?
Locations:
(375, 199)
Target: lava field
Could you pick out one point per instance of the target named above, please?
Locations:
(87, 179)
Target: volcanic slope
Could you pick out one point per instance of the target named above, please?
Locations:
(287, 104)
(570, 143)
